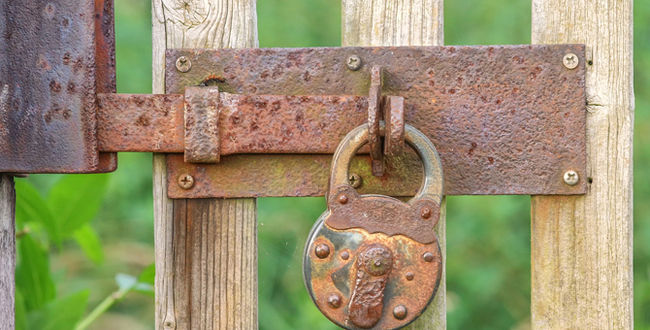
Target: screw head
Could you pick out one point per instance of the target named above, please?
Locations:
(570, 61)
(409, 276)
(355, 180)
(334, 300)
(400, 312)
(322, 251)
(343, 199)
(183, 64)
(427, 256)
(353, 62)
(345, 255)
(185, 181)
(425, 212)
(571, 177)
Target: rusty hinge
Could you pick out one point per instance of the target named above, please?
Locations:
(263, 122)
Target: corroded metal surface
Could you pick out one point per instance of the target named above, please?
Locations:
(49, 56)
(146, 123)
(505, 119)
(396, 261)
(374, 116)
(105, 65)
(394, 118)
(411, 282)
(202, 110)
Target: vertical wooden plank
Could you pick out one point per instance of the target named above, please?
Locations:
(7, 252)
(206, 250)
(582, 246)
(401, 23)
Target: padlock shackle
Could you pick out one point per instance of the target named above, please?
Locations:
(432, 185)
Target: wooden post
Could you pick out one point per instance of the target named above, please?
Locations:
(206, 249)
(582, 246)
(7, 252)
(401, 23)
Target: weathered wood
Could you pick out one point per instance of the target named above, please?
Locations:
(401, 23)
(7, 252)
(206, 250)
(582, 246)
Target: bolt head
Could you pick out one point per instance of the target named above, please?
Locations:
(322, 251)
(185, 181)
(400, 312)
(425, 212)
(183, 64)
(427, 256)
(355, 180)
(570, 61)
(334, 300)
(571, 177)
(353, 62)
(409, 276)
(345, 255)
(343, 199)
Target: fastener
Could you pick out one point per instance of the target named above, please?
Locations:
(399, 312)
(322, 251)
(410, 276)
(183, 64)
(355, 180)
(425, 213)
(570, 61)
(353, 62)
(343, 199)
(334, 300)
(427, 256)
(185, 181)
(571, 177)
(345, 255)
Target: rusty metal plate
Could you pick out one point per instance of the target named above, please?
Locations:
(49, 59)
(505, 119)
(334, 274)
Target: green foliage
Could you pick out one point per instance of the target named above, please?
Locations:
(72, 202)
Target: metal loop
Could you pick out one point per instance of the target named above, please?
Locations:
(432, 185)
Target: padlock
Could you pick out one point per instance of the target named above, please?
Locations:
(373, 261)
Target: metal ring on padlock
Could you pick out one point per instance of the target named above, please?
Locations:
(373, 261)
(432, 185)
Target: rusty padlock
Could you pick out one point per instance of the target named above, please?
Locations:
(373, 261)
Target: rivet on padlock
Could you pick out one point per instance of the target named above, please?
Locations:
(373, 261)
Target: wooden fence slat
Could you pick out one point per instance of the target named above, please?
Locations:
(206, 249)
(582, 245)
(402, 23)
(7, 252)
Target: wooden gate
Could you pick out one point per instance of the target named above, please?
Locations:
(206, 249)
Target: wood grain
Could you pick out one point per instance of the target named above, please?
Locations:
(206, 249)
(401, 23)
(7, 252)
(582, 246)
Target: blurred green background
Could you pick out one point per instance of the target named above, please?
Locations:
(488, 238)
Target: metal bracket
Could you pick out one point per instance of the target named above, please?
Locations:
(505, 119)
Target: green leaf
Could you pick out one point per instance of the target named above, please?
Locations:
(33, 276)
(75, 200)
(31, 207)
(21, 313)
(60, 314)
(88, 240)
(148, 275)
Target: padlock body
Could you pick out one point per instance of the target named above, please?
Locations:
(333, 268)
